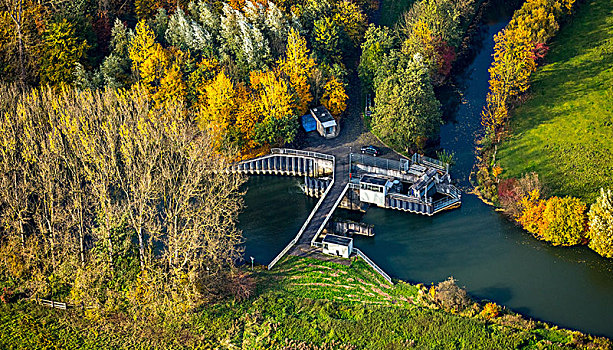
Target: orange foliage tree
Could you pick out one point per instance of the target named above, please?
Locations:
(561, 221)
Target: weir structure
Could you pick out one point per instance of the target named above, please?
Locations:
(419, 185)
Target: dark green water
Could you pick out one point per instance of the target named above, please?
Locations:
(572, 287)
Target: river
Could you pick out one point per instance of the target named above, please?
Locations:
(491, 257)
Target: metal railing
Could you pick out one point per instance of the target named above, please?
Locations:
(373, 265)
(444, 203)
(448, 189)
(387, 164)
(419, 158)
(296, 152)
(323, 224)
(307, 221)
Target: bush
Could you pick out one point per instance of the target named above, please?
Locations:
(561, 221)
(490, 310)
(450, 297)
(564, 221)
(600, 231)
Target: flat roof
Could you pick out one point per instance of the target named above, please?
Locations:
(334, 239)
(322, 114)
(374, 180)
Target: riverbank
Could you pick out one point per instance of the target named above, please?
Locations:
(302, 304)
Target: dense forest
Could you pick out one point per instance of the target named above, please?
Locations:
(118, 121)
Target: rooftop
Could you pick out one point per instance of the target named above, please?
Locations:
(322, 114)
(375, 180)
(334, 239)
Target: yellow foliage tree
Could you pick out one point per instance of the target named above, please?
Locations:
(274, 102)
(172, 87)
(334, 98)
(219, 112)
(297, 67)
(531, 217)
(351, 18)
(141, 45)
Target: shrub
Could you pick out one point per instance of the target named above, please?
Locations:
(601, 224)
(450, 296)
(532, 208)
(561, 221)
(564, 221)
(490, 310)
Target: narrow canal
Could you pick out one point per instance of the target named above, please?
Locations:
(493, 259)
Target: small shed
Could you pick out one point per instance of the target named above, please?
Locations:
(337, 245)
(374, 189)
(308, 123)
(326, 124)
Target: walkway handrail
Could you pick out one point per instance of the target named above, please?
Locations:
(443, 203)
(373, 265)
(407, 198)
(323, 224)
(306, 222)
(302, 153)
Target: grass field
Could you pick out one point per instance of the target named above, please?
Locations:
(564, 131)
(301, 304)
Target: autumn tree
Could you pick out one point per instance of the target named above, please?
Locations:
(61, 51)
(275, 105)
(218, 114)
(298, 67)
(406, 111)
(351, 19)
(600, 231)
(334, 97)
(564, 221)
(327, 40)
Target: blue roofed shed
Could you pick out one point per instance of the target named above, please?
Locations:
(308, 123)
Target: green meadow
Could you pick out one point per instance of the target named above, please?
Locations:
(301, 304)
(564, 130)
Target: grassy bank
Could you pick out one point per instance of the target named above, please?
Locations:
(302, 304)
(564, 131)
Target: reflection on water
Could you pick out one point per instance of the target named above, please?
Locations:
(275, 209)
(495, 260)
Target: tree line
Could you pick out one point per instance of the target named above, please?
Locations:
(108, 200)
(401, 66)
(185, 51)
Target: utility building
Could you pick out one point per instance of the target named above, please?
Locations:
(374, 189)
(326, 124)
(337, 245)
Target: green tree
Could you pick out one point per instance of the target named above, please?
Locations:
(61, 52)
(327, 40)
(115, 69)
(378, 42)
(601, 224)
(406, 111)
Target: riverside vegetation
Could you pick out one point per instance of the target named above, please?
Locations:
(305, 304)
(537, 136)
(114, 139)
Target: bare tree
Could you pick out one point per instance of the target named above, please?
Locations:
(15, 11)
(199, 206)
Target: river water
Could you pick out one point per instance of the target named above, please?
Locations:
(492, 258)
